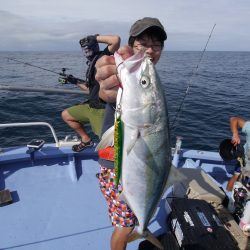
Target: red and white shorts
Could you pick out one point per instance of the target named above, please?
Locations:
(120, 213)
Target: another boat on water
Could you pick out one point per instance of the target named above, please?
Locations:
(50, 197)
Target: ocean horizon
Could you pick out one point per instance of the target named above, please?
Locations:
(218, 90)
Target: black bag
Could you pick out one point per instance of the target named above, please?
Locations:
(196, 225)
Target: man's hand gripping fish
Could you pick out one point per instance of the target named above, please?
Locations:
(146, 153)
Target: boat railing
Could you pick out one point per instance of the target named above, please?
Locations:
(28, 124)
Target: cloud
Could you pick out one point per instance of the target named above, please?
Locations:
(35, 25)
(25, 34)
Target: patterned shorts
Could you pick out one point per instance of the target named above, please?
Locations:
(119, 211)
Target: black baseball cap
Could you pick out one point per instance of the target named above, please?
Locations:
(147, 22)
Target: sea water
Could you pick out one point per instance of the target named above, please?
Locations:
(218, 89)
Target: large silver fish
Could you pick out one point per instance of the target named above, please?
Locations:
(146, 155)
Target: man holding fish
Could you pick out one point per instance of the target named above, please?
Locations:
(141, 108)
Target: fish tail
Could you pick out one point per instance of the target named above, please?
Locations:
(135, 235)
(118, 149)
(151, 238)
(107, 139)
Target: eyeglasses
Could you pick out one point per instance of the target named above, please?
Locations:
(154, 47)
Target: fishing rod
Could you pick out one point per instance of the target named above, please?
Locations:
(32, 65)
(191, 79)
(63, 79)
(44, 90)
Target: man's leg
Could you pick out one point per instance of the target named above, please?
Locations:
(96, 120)
(75, 125)
(120, 238)
(123, 219)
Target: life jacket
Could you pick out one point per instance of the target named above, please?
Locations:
(91, 67)
(94, 100)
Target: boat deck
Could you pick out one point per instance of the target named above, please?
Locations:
(57, 203)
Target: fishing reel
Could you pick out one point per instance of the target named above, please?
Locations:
(65, 79)
(240, 196)
(62, 79)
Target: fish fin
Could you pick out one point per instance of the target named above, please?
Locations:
(133, 139)
(123, 198)
(107, 139)
(175, 175)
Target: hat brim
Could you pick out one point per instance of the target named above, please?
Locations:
(164, 34)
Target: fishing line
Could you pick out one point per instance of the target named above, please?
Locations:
(63, 79)
(191, 79)
(29, 64)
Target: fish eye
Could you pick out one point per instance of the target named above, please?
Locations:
(145, 81)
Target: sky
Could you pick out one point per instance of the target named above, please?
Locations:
(58, 25)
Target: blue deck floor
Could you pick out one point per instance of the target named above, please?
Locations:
(55, 207)
(57, 203)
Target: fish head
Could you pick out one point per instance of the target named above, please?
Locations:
(142, 97)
